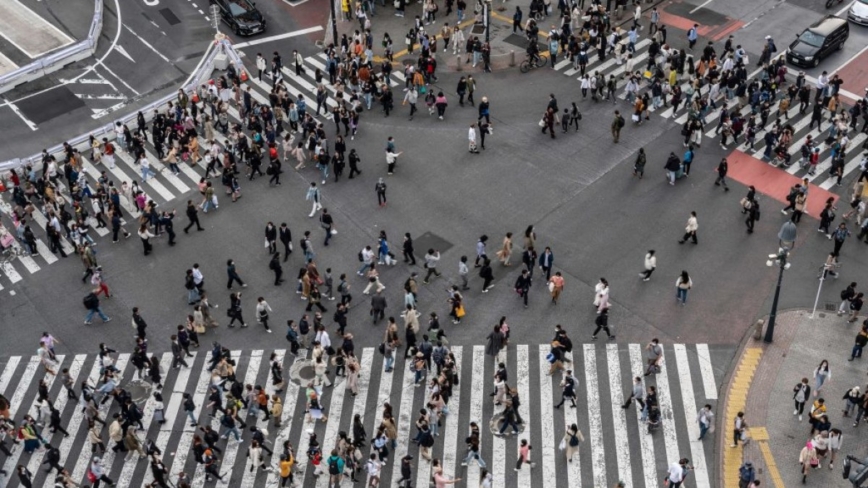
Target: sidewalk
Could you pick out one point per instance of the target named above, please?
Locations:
(761, 385)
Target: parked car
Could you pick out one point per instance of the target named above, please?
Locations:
(858, 13)
(241, 16)
(818, 41)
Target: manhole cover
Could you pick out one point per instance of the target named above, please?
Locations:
(139, 391)
(301, 372)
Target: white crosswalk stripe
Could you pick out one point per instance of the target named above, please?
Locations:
(610, 366)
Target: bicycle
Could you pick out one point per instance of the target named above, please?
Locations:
(530, 64)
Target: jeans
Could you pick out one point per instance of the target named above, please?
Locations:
(97, 310)
(420, 373)
(364, 267)
(507, 423)
(856, 352)
(390, 361)
(471, 455)
(681, 295)
(208, 204)
(145, 171)
(191, 416)
(702, 430)
(233, 431)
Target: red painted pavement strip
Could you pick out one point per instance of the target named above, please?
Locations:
(773, 182)
(713, 32)
(855, 74)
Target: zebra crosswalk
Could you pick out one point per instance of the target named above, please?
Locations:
(800, 122)
(166, 188)
(617, 444)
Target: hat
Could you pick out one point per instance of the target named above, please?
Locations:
(420, 355)
(768, 37)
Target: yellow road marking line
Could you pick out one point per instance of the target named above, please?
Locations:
(736, 401)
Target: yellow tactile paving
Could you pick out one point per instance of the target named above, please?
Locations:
(736, 401)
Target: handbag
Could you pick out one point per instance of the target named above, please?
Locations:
(266, 242)
(635, 118)
(459, 312)
(542, 122)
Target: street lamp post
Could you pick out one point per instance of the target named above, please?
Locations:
(487, 14)
(787, 238)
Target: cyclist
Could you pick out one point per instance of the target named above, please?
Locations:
(533, 53)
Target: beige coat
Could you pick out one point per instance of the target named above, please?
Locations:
(116, 432)
(572, 450)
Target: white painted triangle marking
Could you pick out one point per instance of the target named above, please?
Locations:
(123, 51)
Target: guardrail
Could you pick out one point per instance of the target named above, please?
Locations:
(58, 59)
(197, 78)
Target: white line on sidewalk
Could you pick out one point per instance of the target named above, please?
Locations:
(646, 442)
(522, 370)
(670, 436)
(598, 456)
(278, 37)
(451, 432)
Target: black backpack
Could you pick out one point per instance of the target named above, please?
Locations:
(333, 466)
(90, 301)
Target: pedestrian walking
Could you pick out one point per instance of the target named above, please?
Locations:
(522, 285)
(380, 189)
(808, 459)
(860, 342)
(315, 197)
(690, 230)
(233, 274)
(602, 323)
(705, 418)
(650, 265)
(683, 285)
(637, 394)
(524, 449)
(822, 374)
(570, 442)
(617, 125)
(432, 257)
(568, 390)
(639, 165)
(722, 169)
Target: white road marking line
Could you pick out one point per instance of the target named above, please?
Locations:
(136, 93)
(6, 65)
(147, 415)
(278, 37)
(152, 181)
(361, 400)
(670, 436)
(146, 43)
(574, 469)
(170, 412)
(850, 166)
(183, 447)
(522, 369)
(451, 430)
(100, 97)
(476, 388)
(286, 422)
(17, 449)
(498, 444)
(73, 426)
(598, 457)
(697, 450)
(158, 166)
(23, 385)
(230, 453)
(8, 373)
(701, 6)
(16, 13)
(336, 407)
(19, 113)
(707, 371)
(549, 473)
(622, 444)
(405, 417)
(83, 462)
(60, 405)
(646, 442)
(249, 478)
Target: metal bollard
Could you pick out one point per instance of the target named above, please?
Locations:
(512, 57)
(458, 65)
(758, 329)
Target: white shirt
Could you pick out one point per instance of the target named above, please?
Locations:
(323, 338)
(198, 278)
(676, 473)
(822, 81)
(471, 135)
(367, 256)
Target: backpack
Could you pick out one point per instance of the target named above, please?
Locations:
(382, 348)
(574, 441)
(303, 327)
(845, 294)
(746, 473)
(333, 466)
(90, 301)
(620, 122)
(361, 257)
(303, 244)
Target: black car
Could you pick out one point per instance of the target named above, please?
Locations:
(818, 41)
(241, 15)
